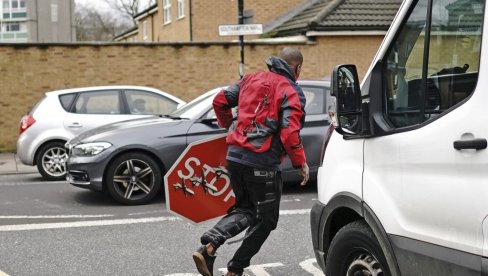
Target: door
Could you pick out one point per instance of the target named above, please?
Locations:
(429, 195)
(205, 127)
(95, 108)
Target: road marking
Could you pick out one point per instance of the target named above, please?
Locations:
(295, 212)
(55, 217)
(291, 200)
(3, 273)
(260, 269)
(58, 225)
(308, 265)
(11, 184)
(41, 226)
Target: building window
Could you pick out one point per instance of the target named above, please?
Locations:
(17, 4)
(13, 27)
(54, 12)
(166, 11)
(6, 4)
(181, 8)
(144, 30)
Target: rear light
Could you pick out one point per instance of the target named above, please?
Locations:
(330, 130)
(26, 122)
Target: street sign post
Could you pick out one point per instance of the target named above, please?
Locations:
(198, 186)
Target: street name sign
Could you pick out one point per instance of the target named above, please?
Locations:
(240, 29)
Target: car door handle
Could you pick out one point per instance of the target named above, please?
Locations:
(477, 144)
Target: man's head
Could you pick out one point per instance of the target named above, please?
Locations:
(294, 58)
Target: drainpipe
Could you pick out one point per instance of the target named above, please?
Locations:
(191, 24)
(37, 22)
(240, 16)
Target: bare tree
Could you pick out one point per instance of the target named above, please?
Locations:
(130, 7)
(96, 25)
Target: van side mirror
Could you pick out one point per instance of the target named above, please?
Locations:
(345, 89)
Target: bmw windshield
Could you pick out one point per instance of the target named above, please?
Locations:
(195, 108)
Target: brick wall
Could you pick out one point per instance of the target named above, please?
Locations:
(185, 70)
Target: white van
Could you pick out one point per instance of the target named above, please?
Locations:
(403, 187)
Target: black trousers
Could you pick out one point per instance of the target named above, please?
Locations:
(258, 194)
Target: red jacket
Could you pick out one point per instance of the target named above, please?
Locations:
(270, 106)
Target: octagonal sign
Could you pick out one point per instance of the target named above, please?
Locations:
(198, 186)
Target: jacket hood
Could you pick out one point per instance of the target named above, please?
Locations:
(279, 66)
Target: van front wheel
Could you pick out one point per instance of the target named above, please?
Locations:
(355, 251)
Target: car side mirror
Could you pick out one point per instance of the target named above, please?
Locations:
(208, 121)
(347, 117)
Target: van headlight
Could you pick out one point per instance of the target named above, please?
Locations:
(90, 149)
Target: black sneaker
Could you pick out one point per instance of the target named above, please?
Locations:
(204, 261)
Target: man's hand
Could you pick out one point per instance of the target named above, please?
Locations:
(304, 172)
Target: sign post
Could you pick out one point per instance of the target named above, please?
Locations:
(241, 37)
(241, 30)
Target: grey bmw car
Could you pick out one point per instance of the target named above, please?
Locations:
(129, 159)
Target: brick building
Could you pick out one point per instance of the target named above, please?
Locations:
(198, 20)
(328, 32)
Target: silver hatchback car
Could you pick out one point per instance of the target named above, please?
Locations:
(63, 114)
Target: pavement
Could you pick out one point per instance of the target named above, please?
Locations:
(10, 164)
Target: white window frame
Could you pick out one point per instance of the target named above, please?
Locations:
(6, 7)
(19, 7)
(166, 11)
(144, 30)
(181, 9)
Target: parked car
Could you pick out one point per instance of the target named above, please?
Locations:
(63, 114)
(129, 159)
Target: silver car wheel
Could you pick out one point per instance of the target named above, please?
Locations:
(54, 161)
(133, 179)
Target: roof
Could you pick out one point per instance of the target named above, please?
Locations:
(126, 33)
(341, 15)
(113, 87)
(150, 10)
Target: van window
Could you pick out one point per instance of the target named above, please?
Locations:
(432, 67)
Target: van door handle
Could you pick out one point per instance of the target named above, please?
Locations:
(477, 144)
(75, 125)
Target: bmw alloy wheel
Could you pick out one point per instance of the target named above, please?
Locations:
(133, 178)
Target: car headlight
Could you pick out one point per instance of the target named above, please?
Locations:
(90, 149)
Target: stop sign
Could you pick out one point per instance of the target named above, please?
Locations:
(198, 186)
